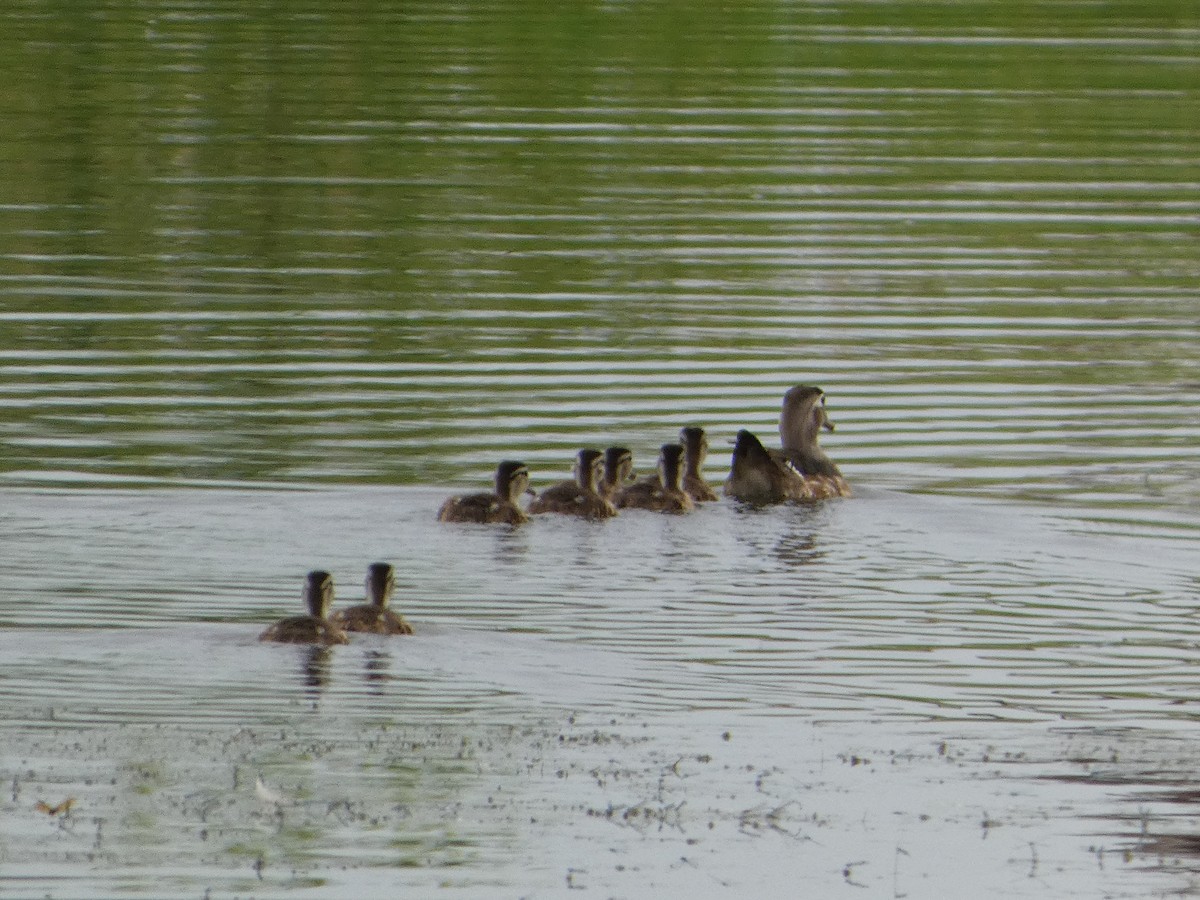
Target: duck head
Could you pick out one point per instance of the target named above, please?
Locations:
(381, 579)
(670, 466)
(589, 470)
(695, 446)
(318, 593)
(618, 467)
(803, 417)
(512, 480)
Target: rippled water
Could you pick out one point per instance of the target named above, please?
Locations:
(274, 284)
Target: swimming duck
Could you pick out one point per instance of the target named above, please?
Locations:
(314, 628)
(695, 448)
(800, 423)
(586, 501)
(374, 616)
(512, 480)
(668, 495)
(760, 477)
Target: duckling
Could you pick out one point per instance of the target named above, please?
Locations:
(313, 628)
(618, 471)
(800, 423)
(669, 495)
(374, 616)
(695, 447)
(512, 480)
(760, 477)
(586, 501)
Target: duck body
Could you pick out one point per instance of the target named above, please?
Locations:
(638, 494)
(374, 616)
(557, 497)
(512, 480)
(314, 628)
(366, 618)
(760, 477)
(304, 630)
(695, 447)
(482, 509)
(581, 498)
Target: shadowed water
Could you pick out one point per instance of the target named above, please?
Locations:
(274, 283)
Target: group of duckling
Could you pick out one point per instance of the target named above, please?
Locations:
(799, 471)
(319, 627)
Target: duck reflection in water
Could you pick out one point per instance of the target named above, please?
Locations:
(376, 665)
(315, 667)
(315, 628)
(374, 616)
(512, 480)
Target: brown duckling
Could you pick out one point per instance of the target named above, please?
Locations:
(757, 476)
(374, 616)
(512, 480)
(800, 424)
(668, 495)
(314, 628)
(695, 450)
(587, 501)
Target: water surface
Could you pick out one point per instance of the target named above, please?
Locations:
(273, 284)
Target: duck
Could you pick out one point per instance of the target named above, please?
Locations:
(512, 480)
(801, 421)
(374, 616)
(668, 494)
(314, 628)
(695, 449)
(584, 498)
(760, 477)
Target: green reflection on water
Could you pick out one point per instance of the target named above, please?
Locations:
(334, 245)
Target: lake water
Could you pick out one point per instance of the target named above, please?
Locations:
(273, 285)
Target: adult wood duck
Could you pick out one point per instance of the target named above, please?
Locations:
(760, 477)
(512, 480)
(585, 499)
(314, 628)
(695, 450)
(801, 421)
(374, 616)
(667, 494)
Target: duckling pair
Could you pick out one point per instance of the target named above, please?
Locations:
(799, 471)
(587, 495)
(318, 627)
